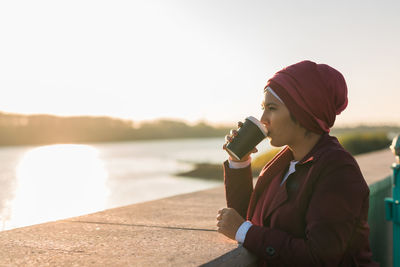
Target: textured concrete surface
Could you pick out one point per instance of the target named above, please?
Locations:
(175, 231)
(376, 165)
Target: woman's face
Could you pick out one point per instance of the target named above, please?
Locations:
(282, 130)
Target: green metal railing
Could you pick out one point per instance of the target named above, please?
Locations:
(380, 229)
(392, 205)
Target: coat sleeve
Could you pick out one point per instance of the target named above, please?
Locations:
(338, 207)
(238, 188)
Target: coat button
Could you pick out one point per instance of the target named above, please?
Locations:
(270, 251)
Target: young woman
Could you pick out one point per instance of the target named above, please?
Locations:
(310, 204)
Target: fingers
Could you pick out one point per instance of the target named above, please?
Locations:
(219, 215)
(219, 218)
(222, 210)
(228, 222)
(221, 222)
(229, 138)
(231, 135)
(226, 142)
(234, 133)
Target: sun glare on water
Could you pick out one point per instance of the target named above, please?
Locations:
(56, 182)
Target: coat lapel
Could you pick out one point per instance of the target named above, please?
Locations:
(271, 170)
(278, 199)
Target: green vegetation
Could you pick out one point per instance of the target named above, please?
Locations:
(205, 171)
(358, 143)
(339, 131)
(259, 162)
(352, 140)
(46, 129)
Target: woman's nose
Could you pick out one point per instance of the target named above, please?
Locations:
(265, 118)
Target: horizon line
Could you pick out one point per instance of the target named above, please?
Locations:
(224, 123)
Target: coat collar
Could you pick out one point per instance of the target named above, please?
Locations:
(317, 151)
(272, 169)
(277, 165)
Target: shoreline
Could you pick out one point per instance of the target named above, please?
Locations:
(209, 171)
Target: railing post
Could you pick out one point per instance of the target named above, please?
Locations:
(392, 205)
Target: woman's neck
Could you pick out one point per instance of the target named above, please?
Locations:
(301, 147)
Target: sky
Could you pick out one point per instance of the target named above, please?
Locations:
(192, 60)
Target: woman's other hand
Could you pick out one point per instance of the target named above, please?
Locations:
(229, 222)
(229, 138)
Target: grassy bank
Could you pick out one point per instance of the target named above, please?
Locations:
(353, 141)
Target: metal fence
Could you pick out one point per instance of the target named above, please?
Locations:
(381, 230)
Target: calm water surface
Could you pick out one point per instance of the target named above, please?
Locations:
(53, 182)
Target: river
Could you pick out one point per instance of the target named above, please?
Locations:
(47, 183)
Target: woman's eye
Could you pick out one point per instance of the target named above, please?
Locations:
(268, 107)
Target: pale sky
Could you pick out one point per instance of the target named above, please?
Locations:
(192, 59)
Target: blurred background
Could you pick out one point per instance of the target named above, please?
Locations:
(109, 103)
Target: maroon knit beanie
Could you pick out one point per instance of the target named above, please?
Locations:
(313, 93)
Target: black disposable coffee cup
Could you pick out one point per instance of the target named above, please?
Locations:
(249, 136)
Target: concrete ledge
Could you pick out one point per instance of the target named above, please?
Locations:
(237, 257)
(175, 231)
(375, 166)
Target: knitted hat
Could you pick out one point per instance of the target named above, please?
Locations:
(313, 93)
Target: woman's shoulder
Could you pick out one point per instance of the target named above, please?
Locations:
(332, 152)
(336, 162)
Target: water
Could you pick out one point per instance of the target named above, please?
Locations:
(46, 183)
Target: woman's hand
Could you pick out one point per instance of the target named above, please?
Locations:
(229, 138)
(229, 222)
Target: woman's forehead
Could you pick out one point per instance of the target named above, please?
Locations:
(269, 98)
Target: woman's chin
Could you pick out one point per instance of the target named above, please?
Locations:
(271, 140)
(274, 143)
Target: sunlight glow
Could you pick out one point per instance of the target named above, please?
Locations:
(56, 182)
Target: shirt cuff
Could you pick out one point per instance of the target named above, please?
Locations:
(239, 165)
(242, 231)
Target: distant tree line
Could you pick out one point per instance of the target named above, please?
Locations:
(18, 129)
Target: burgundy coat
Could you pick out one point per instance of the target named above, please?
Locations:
(318, 217)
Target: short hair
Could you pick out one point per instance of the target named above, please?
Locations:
(297, 122)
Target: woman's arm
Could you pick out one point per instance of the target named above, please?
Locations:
(238, 188)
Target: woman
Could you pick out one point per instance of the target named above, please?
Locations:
(310, 204)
